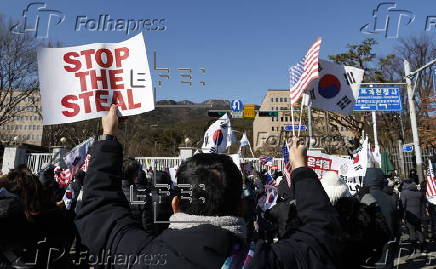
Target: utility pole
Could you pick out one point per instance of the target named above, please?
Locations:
(374, 127)
(374, 124)
(413, 123)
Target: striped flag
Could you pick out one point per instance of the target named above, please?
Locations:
(431, 186)
(304, 72)
(266, 160)
(63, 177)
(287, 168)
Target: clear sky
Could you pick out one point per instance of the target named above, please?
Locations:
(246, 46)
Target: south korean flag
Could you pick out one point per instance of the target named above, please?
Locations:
(337, 88)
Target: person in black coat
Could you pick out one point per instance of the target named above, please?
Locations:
(105, 222)
(413, 202)
(373, 185)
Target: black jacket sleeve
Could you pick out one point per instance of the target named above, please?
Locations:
(314, 244)
(104, 221)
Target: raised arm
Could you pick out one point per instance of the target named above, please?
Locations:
(104, 220)
(315, 243)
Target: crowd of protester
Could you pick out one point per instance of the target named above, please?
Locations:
(118, 215)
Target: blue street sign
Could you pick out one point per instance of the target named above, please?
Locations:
(407, 148)
(379, 99)
(295, 127)
(236, 106)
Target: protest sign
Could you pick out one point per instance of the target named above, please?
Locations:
(321, 163)
(344, 167)
(80, 83)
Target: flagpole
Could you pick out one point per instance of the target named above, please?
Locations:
(301, 117)
(309, 124)
(251, 150)
(293, 120)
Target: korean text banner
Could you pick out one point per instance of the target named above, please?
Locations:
(80, 83)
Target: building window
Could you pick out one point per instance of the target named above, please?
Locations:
(272, 128)
(281, 99)
(277, 99)
(272, 100)
(281, 118)
(286, 99)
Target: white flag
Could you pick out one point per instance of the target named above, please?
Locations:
(374, 155)
(244, 141)
(360, 161)
(337, 87)
(229, 134)
(217, 136)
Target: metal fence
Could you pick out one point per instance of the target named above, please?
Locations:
(159, 163)
(409, 159)
(35, 161)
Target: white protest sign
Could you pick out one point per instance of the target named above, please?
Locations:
(344, 167)
(353, 183)
(80, 83)
(321, 163)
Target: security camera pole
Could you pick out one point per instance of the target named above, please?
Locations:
(412, 111)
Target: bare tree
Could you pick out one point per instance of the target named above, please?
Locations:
(18, 71)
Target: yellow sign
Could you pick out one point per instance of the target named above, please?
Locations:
(249, 111)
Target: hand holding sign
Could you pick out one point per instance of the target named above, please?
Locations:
(80, 83)
(110, 121)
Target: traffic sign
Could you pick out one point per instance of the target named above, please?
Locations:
(236, 106)
(379, 99)
(295, 127)
(249, 111)
(237, 115)
(268, 114)
(408, 148)
(216, 113)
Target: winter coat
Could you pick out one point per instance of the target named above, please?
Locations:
(413, 202)
(375, 180)
(105, 223)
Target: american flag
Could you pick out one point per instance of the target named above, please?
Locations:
(265, 160)
(304, 72)
(287, 168)
(63, 177)
(431, 180)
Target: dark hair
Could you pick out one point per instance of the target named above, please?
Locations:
(31, 192)
(131, 168)
(216, 185)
